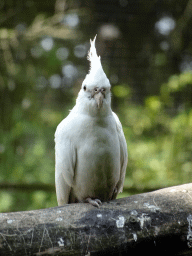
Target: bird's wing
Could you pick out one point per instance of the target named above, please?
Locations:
(65, 159)
(123, 154)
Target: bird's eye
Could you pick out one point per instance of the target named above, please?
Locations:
(95, 89)
(84, 87)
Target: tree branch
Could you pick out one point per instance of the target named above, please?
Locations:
(155, 222)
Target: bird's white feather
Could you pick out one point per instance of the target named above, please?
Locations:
(95, 60)
(96, 73)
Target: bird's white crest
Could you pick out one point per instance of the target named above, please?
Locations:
(95, 60)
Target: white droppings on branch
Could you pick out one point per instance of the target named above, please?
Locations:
(10, 221)
(59, 219)
(120, 222)
(134, 212)
(135, 237)
(153, 208)
(144, 219)
(61, 242)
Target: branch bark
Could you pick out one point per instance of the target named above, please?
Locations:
(155, 222)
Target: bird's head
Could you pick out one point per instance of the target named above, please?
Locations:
(95, 90)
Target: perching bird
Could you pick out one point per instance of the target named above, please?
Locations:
(90, 147)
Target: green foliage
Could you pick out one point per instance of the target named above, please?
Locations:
(121, 91)
(159, 140)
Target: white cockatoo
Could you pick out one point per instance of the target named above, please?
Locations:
(90, 147)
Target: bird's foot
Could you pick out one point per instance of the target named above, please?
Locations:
(114, 194)
(94, 202)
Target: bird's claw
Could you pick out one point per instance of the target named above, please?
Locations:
(94, 202)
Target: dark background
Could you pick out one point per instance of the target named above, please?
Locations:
(146, 52)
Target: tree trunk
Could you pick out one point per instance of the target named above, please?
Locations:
(156, 222)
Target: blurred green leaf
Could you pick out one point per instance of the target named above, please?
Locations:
(121, 91)
(154, 103)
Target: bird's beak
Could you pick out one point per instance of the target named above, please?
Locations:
(99, 99)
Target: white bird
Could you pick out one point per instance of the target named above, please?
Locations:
(90, 147)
